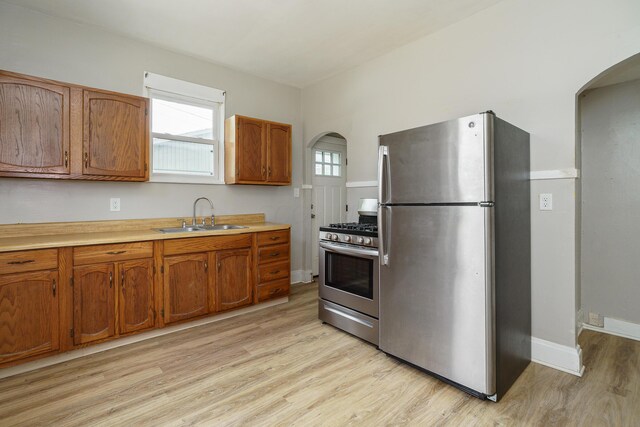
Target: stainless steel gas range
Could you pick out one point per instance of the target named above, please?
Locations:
(348, 277)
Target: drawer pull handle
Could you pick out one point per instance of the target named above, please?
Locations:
(86, 160)
(274, 238)
(26, 261)
(274, 254)
(66, 159)
(274, 291)
(274, 272)
(115, 252)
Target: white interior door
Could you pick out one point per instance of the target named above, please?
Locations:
(329, 193)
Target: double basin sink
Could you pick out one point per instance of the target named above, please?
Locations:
(195, 228)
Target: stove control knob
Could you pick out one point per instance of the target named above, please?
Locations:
(361, 240)
(367, 241)
(334, 237)
(347, 238)
(328, 236)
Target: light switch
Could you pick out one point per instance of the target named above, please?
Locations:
(296, 192)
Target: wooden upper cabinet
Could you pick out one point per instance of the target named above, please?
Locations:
(233, 282)
(186, 286)
(279, 153)
(114, 135)
(34, 127)
(136, 295)
(50, 129)
(28, 314)
(252, 156)
(93, 303)
(257, 151)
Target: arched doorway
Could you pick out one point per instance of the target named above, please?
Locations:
(608, 112)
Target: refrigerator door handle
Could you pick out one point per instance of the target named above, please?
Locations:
(383, 153)
(382, 227)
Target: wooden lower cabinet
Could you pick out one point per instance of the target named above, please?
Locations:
(233, 285)
(101, 292)
(186, 285)
(28, 314)
(94, 310)
(136, 295)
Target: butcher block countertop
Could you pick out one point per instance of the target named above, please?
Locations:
(19, 237)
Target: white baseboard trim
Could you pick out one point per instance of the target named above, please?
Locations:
(618, 328)
(301, 276)
(571, 173)
(561, 357)
(98, 348)
(355, 184)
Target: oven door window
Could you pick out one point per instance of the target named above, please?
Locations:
(349, 274)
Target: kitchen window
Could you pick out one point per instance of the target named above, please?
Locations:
(328, 163)
(187, 131)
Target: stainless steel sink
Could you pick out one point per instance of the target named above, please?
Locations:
(222, 227)
(191, 228)
(194, 228)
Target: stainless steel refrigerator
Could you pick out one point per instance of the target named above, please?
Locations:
(455, 258)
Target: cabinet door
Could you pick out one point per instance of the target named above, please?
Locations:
(28, 314)
(185, 286)
(251, 150)
(233, 279)
(114, 135)
(34, 127)
(136, 295)
(93, 303)
(279, 155)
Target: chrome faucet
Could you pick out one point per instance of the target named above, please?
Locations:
(193, 221)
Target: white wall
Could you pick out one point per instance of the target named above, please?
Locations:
(611, 201)
(36, 44)
(526, 60)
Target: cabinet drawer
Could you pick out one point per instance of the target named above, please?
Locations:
(83, 255)
(268, 272)
(17, 262)
(273, 237)
(207, 244)
(273, 253)
(277, 289)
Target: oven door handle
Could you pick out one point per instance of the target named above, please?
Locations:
(350, 251)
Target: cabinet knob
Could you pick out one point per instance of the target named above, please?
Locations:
(110, 279)
(66, 159)
(86, 160)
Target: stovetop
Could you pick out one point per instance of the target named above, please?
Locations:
(359, 229)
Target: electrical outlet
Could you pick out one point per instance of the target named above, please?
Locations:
(546, 201)
(596, 319)
(114, 204)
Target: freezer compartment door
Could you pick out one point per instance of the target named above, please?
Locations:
(447, 162)
(436, 293)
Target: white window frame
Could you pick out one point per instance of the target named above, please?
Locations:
(323, 163)
(170, 89)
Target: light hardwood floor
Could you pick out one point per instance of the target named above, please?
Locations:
(282, 366)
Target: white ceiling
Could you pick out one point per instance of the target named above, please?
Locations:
(297, 42)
